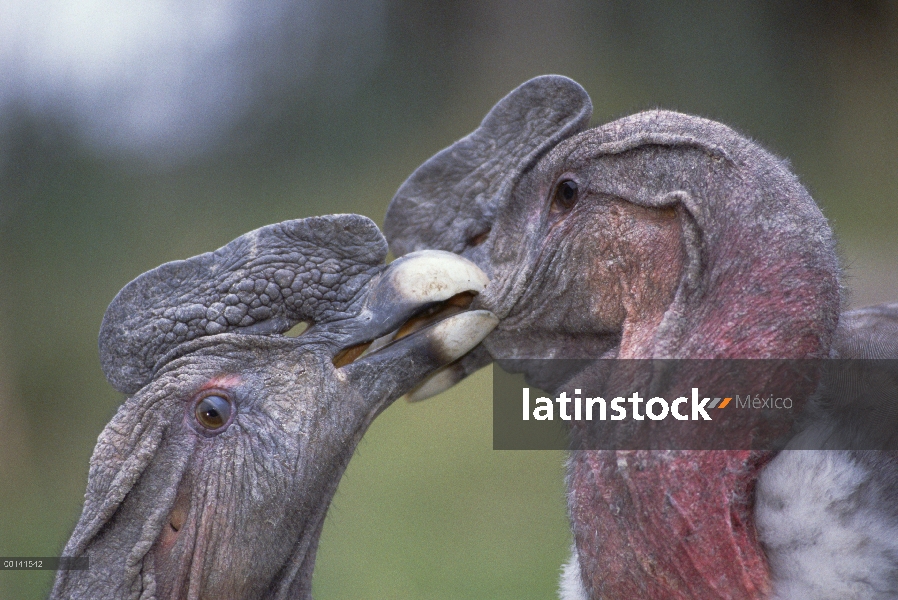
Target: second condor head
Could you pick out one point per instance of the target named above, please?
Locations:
(657, 236)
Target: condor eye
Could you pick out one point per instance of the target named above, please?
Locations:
(212, 412)
(566, 194)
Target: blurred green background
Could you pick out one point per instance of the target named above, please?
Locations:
(327, 107)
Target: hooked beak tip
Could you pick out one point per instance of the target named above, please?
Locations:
(457, 335)
(454, 337)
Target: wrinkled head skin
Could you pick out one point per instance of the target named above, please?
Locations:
(674, 218)
(213, 478)
(659, 235)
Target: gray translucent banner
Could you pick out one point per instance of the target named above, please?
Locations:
(695, 404)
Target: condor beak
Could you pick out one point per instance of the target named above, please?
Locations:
(423, 296)
(421, 280)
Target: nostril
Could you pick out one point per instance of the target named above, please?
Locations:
(479, 238)
(297, 329)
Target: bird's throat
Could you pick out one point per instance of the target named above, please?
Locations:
(668, 524)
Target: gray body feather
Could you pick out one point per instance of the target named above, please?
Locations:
(829, 519)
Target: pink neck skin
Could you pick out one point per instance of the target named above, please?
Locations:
(679, 524)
